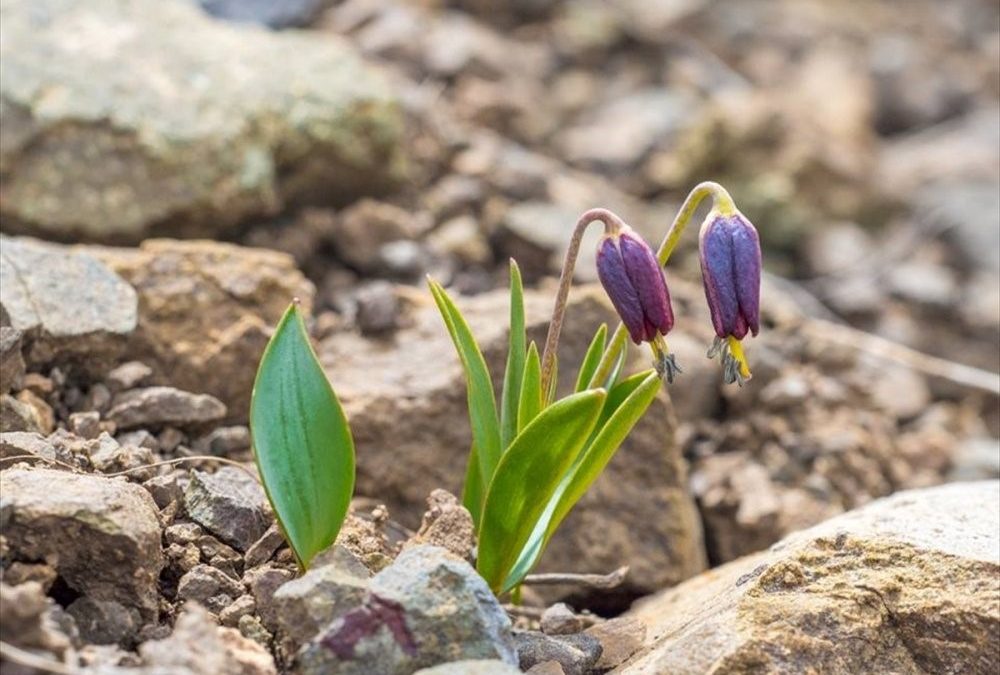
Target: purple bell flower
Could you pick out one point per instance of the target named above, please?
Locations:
(731, 267)
(634, 280)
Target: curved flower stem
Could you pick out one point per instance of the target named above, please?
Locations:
(612, 223)
(723, 202)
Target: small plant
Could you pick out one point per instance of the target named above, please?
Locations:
(534, 457)
(301, 441)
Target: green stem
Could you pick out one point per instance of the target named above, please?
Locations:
(612, 223)
(723, 202)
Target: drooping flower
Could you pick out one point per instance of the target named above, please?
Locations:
(731, 268)
(634, 280)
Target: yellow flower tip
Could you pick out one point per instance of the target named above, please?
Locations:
(736, 351)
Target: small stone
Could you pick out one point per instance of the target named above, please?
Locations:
(105, 622)
(365, 227)
(182, 557)
(923, 282)
(251, 628)
(14, 443)
(164, 489)
(620, 638)
(182, 533)
(377, 308)
(204, 582)
(29, 619)
(198, 646)
(262, 549)
(242, 606)
(159, 406)
(447, 524)
(547, 668)
(128, 376)
(77, 310)
(11, 359)
(559, 619)
(367, 541)
(577, 654)
(263, 581)
(42, 411)
(19, 573)
(428, 607)
(17, 416)
(229, 504)
(325, 592)
(85, 424)
(461, 238)
(224, 441)
(98, 398)
(140, 437)
(403, 259)
(108, 456)
(471, 667)
(169, 439)
(103, 534)
(43, 386)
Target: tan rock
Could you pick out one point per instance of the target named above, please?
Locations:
(206, 311)
(907, 584)
(406, 400)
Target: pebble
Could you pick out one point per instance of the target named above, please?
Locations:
(161, 406)
(559, 619)
(203, 582)
(128, 375)
(229, 504)
(11, 359)
(262, 549)
(577, 653)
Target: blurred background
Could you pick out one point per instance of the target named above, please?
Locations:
(377, 141)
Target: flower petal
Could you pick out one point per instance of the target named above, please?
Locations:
(650, 284)
(618, 286)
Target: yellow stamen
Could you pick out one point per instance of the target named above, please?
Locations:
(736, 351)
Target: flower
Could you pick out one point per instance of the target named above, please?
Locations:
(634, 280)
(730, 267)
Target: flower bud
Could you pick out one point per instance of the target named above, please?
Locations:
(634, 281)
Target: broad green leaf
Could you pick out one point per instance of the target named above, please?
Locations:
(515, 361)
(482, 403)
(301, 441)
(472, 489)
(626, 404)
(592, 358)
(526, 478)
(531, 389)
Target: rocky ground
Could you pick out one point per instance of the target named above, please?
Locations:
(388, 140)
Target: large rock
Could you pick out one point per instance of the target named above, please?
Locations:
(101, 535)
(406, 401)
(68, 305)
(428, 607)
(206, 311)
(908, 584)
(122, 118)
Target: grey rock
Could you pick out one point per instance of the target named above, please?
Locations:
(559, 619)
(203, 582)
(198, 646)
(263, 582)
(229, 504)
(164, 489)
(428, 607)
(577, 654)
(923, 283)
(105, 622)
(365, 227)
(242, 606)
(271, 13)
(128, 375)
(447, 524)
(224, 441)
(71, 308)
(25, 443)
(157, 406)
(108, 456)
(29, 619)
(471, 667)
(262, 549)
(11, 359)
(324, 593)
(270, 117)
(377, 308)
(16, 416)
(620, 638)
(183, 533)
(85, 424)
(101, 535)
(140, 437)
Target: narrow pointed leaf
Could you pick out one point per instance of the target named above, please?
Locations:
(526, 478)
(515, 361)
(479, 386)
(531, 389)
(301, 441)
(592, 358)
(626, 404)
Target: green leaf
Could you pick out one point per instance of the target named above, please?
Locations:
(526, 478)
(472, 490)
(301, 441)
(592, 358)
(625, 406)
(515, 361)
(479, 386)
(531, 389)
